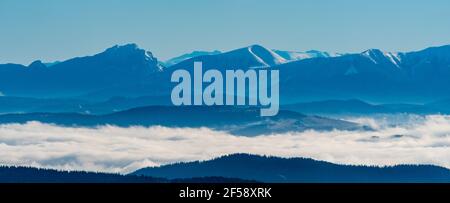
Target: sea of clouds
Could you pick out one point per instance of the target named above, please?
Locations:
(404, 139)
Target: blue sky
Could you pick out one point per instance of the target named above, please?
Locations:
(60, 29)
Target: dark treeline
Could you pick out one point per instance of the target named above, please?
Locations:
(34, 175)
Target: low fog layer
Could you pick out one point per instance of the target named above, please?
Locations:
(413, 140)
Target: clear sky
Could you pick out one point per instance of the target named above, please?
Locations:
(60, 29)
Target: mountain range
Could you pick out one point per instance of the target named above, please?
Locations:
(375, 76)
(129, 71)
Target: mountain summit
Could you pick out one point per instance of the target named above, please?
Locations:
(193, 54)
(129, 52)
(117, 66)
(254, 56)
(130, 55)
(37, 64)
(298, 55)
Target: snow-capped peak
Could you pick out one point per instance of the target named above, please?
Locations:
(394, 57)
(132, 54)
(377, 56)
(372, 54)
(300, 55)
(265, 56)
(187, 56)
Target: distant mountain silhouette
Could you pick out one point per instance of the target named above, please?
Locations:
(35, 175)
(358, 107)
(236, 120)
(336, 107)
(298, 170)
(67, 105)
(116, 104)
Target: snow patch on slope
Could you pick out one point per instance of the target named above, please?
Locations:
(377, 56)
(298, 55)
(265, 56)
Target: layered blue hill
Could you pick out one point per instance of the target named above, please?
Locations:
(336, 107)
(69, 105)
(298, 170)
(10, 105)
(236, 120)
(358, 107)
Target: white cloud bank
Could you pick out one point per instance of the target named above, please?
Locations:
(422, 140)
